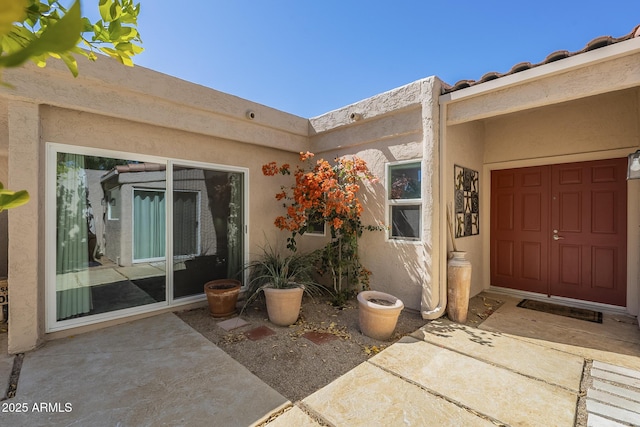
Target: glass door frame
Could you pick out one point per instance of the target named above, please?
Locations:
(50, 222)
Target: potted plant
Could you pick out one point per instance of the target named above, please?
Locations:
(328, 193)
(283, 279)
(222, 296)
(378, 314)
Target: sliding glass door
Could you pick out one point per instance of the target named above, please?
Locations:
(112, 220)
(208, 223)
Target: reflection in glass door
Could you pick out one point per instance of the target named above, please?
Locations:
(186, 206)
(149, 225)
(207, 212)
(96, 215)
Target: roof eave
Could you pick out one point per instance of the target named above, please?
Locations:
(592, 57)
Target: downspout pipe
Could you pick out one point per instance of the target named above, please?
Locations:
(434, 297)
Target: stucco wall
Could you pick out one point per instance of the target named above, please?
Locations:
(129, 110)
(26, 228)
(598, 123)
(394, 126)
(465, 147)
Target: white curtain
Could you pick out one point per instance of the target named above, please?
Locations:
(73, 292)
(149, 226)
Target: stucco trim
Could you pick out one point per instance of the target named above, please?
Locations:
(146, 96)
(391, 102)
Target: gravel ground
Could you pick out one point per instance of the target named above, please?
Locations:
(295, 366)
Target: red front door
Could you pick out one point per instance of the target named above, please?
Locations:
(561, 230)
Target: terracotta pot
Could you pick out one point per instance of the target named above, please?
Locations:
(378, 314)
(283, 305)
(458, 287)
(222, 295)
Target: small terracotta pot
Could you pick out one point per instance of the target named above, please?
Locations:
(378, 314)
(222, 295)
(283, 305)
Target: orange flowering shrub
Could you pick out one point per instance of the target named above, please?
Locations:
(322, 193)
(326, 193)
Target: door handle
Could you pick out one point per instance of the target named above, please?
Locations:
(556, 237)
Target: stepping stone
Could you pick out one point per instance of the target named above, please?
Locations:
(319, 337)
(614, 395)
(259, 333)
(233, 323)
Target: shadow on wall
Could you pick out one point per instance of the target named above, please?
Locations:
(399, 267)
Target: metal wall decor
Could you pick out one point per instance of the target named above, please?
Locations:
(467, 201)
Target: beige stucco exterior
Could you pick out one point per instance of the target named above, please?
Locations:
(142, 112)
(584, 107)
(399, 125)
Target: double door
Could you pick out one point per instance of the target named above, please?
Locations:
(560, 230)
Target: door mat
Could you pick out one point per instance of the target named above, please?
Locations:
(562, 310)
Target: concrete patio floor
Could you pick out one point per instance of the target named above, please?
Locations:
(520, 368)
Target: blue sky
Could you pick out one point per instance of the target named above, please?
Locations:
(310, 57)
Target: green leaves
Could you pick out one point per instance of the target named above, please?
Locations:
(110, 10)
(10, 12)
(118, 28)
(12, 199)
(58, 37)
(36, 30)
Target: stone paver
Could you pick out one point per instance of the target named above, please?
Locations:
(368, 395)
(319, 338)
(233, 323)
(549, 365)
(598, 421)
(496, 392)
(614, 394)
(258, 333)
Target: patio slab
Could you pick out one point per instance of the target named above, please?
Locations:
(547, 364)
(615, 341)
(493, 391)
(369, 395)
(155, 371)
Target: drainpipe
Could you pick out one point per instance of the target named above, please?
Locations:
(438, 295)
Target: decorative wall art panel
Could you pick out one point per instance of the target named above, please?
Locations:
(467, 201)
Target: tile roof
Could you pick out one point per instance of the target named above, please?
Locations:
(596, 43)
